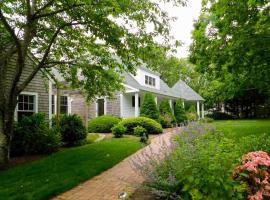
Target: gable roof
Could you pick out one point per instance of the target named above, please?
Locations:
(186, 92)
(179, 90)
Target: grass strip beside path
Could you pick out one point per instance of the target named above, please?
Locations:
(61, 171)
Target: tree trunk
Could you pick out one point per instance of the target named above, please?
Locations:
(6, 132)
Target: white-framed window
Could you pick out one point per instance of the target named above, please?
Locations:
(27, 105)
(150, 80)
(65, 104)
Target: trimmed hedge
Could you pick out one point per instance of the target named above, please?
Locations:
(221, 116)
(150, 125)
(149, 108)
(102, 124)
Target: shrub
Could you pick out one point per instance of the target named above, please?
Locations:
(254, 171)
(167, 118)
(142, 133)
(102, 124)
(179, 112)
(119, 130)
(150, 125)
(72, 130)
(192, 116)
(221, 116)
(33, 136)
(207, 120)
(149, 107)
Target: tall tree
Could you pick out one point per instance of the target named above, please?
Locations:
(232, 46)
(92, 38)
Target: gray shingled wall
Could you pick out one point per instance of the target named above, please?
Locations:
(39, 84)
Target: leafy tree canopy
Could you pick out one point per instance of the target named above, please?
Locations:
(232, 46)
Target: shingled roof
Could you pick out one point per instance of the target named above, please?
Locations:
(179, 90)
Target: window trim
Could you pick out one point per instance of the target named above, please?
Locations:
(35, 94)
(150, 81)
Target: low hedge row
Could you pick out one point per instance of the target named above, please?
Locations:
(102, 124)
(150, 125)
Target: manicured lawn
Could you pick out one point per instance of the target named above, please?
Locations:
(92, 137)
(63, 170)
(239, 128)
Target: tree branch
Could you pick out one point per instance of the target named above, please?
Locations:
(57, 11)
(49, 3)
(10, 30)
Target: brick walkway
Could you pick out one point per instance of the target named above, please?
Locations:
(121, 177)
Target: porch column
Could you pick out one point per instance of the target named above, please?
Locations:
(170, 101)
(198, 109)
(121, 105)
(50, 103)
(183, 104)
(105, 105)
(203, 110)
(136, 104)
(156, 100)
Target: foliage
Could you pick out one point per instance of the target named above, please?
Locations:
(119, 130)
(221, 116)
(60, 172)
(201, 163)
(254, 171)
(142, 133)
(149, 107)
(166, 114)
(150, 125)
(230, 48)
(207, 120)
(102, 124)
(33, 136)
(72, 130)
(179, 112)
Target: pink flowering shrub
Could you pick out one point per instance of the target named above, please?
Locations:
(255, 171)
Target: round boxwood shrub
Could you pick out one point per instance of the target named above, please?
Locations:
(102, 124)
(150, 125)
(149, 107)
(119, 130)
(33, 136)
(72, 129)
(179, 112)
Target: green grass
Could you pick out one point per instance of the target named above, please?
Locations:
(61, 171)
(92, 137)
(239, 128)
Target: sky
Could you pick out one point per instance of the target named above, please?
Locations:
(181, 28)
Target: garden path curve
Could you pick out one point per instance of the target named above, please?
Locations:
(121, 177)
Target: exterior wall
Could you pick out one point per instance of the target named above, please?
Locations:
(79, 106)
(127, 109)
(113, 105)
(140, 77)
(39, 85)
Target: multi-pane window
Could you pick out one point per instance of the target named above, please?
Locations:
(26, 105)
(150, 80)
(63, 104)
(53, 104)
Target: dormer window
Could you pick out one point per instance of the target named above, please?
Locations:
(150, 81)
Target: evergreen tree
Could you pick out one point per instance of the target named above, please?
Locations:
(149, 107)
(179, 112)
(167, 118)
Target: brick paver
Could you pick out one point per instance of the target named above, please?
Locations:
(121, 177)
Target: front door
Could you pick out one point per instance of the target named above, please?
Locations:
(100, 106)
